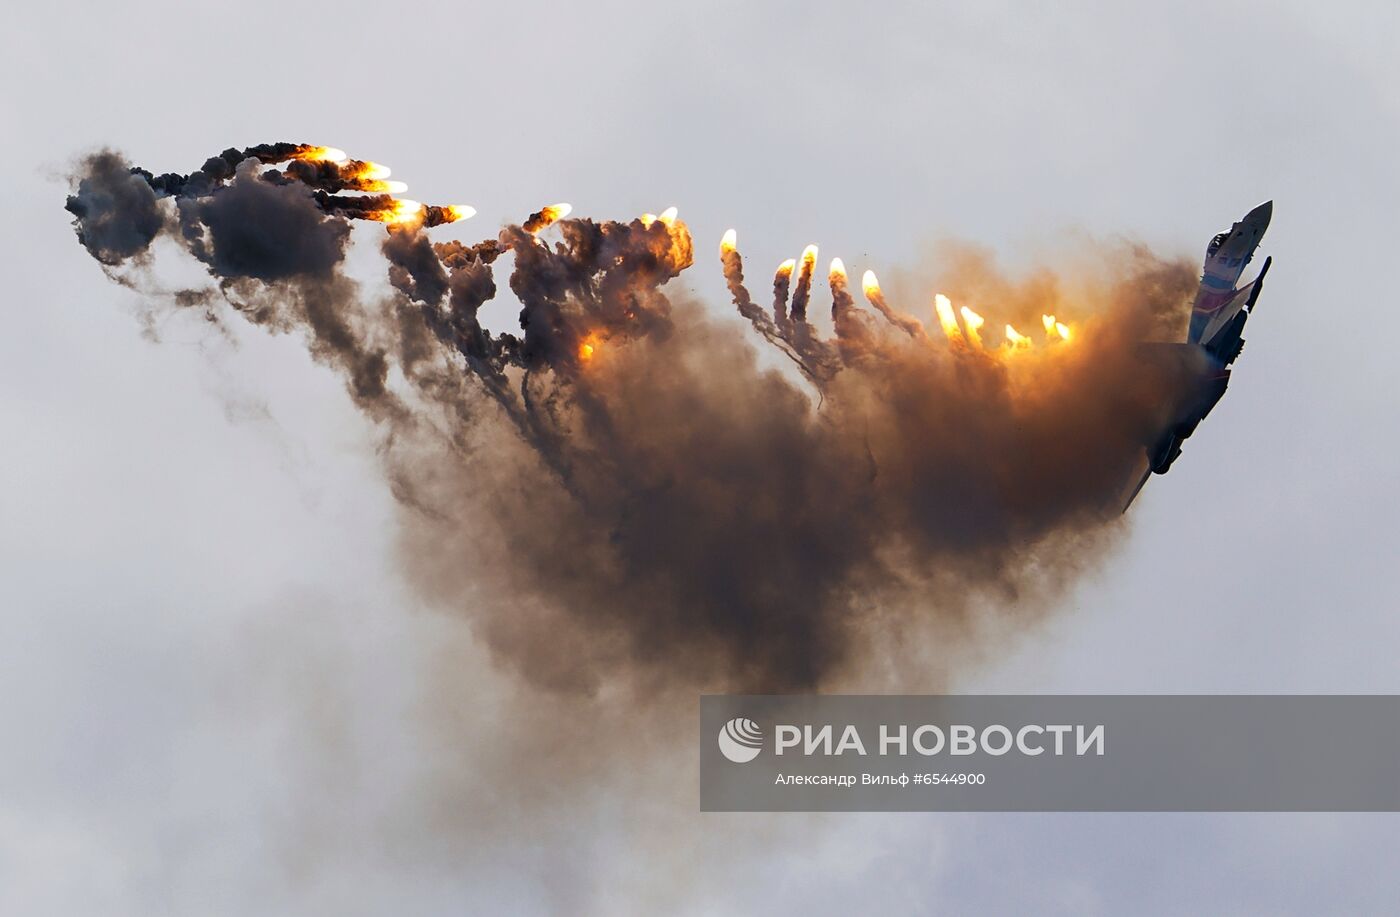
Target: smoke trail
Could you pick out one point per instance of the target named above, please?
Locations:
(901, 320)
(619, 492)
(802, 288)
(782, 281)
(855, 339)
(733, 264)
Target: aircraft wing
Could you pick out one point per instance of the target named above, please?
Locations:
(1141, 472)
(1221, 333)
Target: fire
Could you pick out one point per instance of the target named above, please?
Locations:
(371, 171)
(1055, 328)
(837, 271)
(808, 259)
(870, 284)
(973, 323)
(729, 242)
(786, 268)
(668, 216)
(401, 210)
(378, 187)
(546, 217)
(943, 307)
(553, 213)
(647, 219)
(322, 154)
(457, 212)
(1016, 340)
(588, 347)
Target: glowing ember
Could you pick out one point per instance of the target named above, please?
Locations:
(378, 187)
(322, 154)
(973, 323)
(373, 171)
(870, 284)
(943, 307)
(809, 257)
(1016, 340)
(588, 347)
(401, 211)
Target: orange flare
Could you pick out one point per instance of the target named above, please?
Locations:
(549, 215)
(457, 212)
(376, 186)
(1049, 322)
(588, 347)
(870, 284)
(647, 219)
(729, 242)
(1016, 340)
(943, 307)
(837, 269)
(404, 211)
(373, 171)
(668, 216)
(1062, 330)
(973, 323)
(786, 268)
(322, 154)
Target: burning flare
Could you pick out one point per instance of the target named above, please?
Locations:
(366, 171)
(1015, 340)
(376, 186)
(837, 271)
(322, 154)
(547, 216)
(943, 308)
(401, 210)
(973, 323)
(1054, 328)
(729, 242)
(870, 284)
(668, 216)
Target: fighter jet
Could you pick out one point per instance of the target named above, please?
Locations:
(1201, 363)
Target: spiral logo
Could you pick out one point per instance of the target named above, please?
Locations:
(740, 740)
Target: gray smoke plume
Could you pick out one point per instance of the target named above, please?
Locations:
(622, 490)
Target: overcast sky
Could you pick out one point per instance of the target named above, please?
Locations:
(204, 633)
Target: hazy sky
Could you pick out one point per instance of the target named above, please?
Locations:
(205, 638)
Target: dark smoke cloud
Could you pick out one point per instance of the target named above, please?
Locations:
(252, 228)
(623, 491)
(115, 211)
